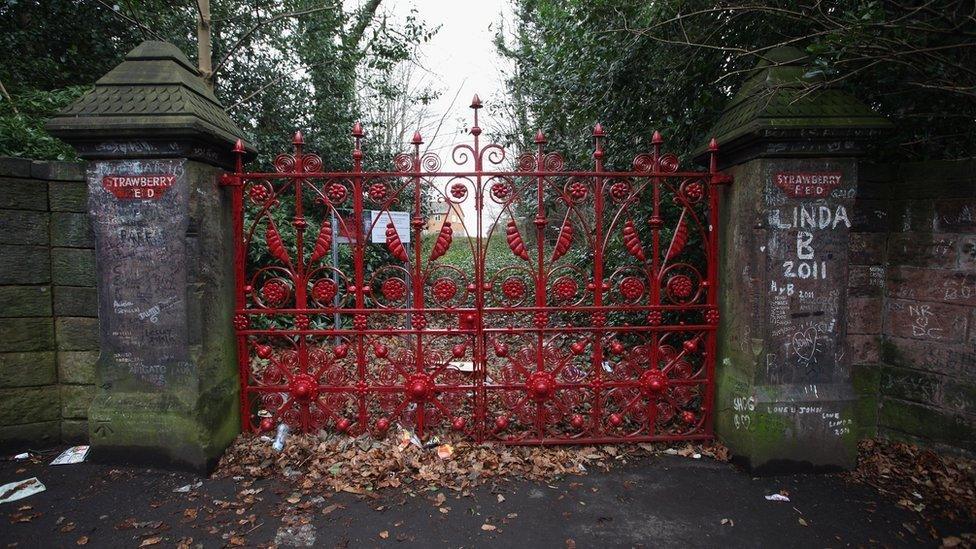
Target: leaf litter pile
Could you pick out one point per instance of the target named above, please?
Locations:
(931, 484)
(365, 465)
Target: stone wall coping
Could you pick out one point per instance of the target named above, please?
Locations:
(47, 170)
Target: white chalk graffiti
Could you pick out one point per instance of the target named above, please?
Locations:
(922, 317)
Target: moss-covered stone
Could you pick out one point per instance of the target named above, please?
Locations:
(40, 434)
(929, 423)
(75, 301)
(75, 401)
(68, 196)
(74, 431)
(73, 266)
(25, 265)
(27, 369)
(77, 333)
(155, 92)
(16, 301)
(27, 334)
(14, 167)
(165, 428)
(29, 405)
(23, 194)
(71, 230)
(776, 102)
(24, 227)
(77, 367)
(59, 170)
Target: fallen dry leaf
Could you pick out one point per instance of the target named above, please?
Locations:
(920, 479)
(802, 521)
(501, 498)
(151, 541)
(385, 534)
(363, 465)
(83, 540)
(488, 527)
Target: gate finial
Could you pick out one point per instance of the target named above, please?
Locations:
(598, 130)
(475, 102)
(539, 138)
(417, 140)
(357, 129)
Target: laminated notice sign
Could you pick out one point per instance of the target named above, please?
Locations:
(75, 454)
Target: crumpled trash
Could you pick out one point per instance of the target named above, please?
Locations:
(295, 536)
(187, 487)
(777, 497)
(445, 451)
(408, 437)
(21, 456)
(12, 491)
(280, 437)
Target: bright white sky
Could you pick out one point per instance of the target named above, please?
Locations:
(462, 60)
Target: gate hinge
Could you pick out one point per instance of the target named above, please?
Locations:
(230, 180)
(721, 178)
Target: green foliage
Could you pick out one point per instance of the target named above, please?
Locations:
(280, 65)
(22, 123)
(639, 66)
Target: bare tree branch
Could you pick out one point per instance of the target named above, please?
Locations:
(143, 28)
(247, 34)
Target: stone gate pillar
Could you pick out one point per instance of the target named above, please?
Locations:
(785, 399)
(157, 141)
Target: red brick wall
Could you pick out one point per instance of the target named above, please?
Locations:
(912, 291)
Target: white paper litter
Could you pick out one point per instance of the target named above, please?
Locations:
(12, 491)
(22, 456)
(187, 487)
(777, 497)
(75, 454)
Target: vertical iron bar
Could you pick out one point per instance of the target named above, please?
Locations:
(357, 201)
(237, 213)
(599, 312)
(712, 298)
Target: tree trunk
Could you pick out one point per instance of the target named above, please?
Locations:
(204, 43)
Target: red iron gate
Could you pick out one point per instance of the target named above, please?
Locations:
(543, 305)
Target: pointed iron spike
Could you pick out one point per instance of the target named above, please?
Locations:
(417, 140)
(299, 138)
(598, 130)
(656, 138)
(239, 146)
(357, 129)
(713, 145)
(475, 102)
(539, 138)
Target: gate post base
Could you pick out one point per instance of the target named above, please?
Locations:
(788, 428)
(166, 379)
(185, 431)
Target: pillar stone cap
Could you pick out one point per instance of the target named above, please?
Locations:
(786, 107)
(154, 96)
